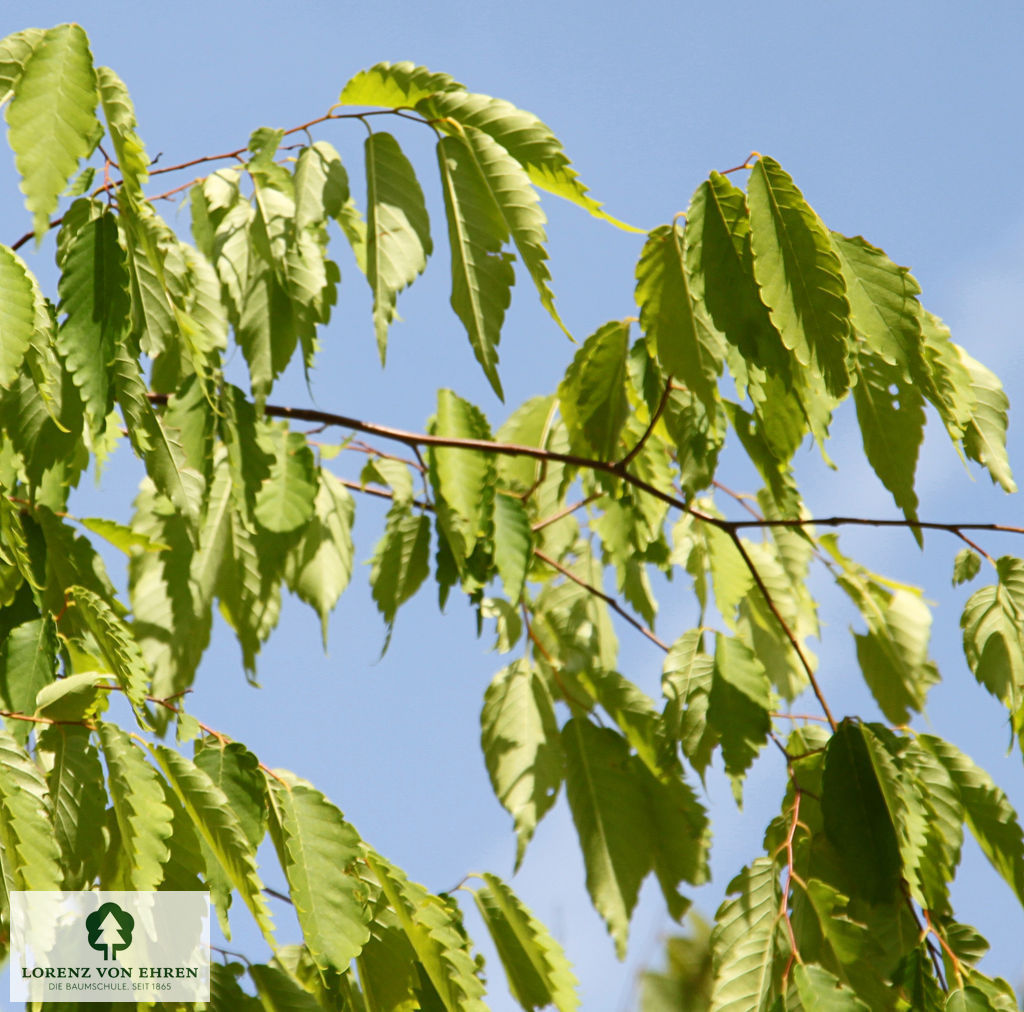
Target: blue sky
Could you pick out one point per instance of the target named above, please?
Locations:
(900, 121)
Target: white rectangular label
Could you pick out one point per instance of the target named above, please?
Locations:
(110, 946)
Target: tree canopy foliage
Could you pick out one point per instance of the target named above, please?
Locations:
(755, 323)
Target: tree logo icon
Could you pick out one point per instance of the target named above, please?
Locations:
(110, 929)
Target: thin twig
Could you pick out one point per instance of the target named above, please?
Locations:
(650, 426)
(784, 625)
(562, 513)
(607, 598)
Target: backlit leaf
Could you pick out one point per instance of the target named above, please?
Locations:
(799, 274)
(398, 230)
(52, 118)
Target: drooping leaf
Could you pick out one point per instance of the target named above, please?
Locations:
(719, 263)
(74, 778)
(482, 275)
(284, 501)
(990, 815)
(279, 991)
(94, 296)
(858, 822)
(529, 141)
(522, 747)
(218, 826)
(799, 274)
(536, 968)
(143, 819)
(17, 313)
(319, 565)
(52, 118)
(513, 544)
(464, 477)
(400, 561)
(517, 202)
(315, 846)
(966, 567)
(132, 159)
(592, 396)
(738, 705)
(686, 683)
(745, 942)
(687, 345)
(435, 936)
(28, 851)
(890, 411)
(611, 820)
(28, 663)
(118, 646)
(398, 231)
(985, 436)
(993, 633)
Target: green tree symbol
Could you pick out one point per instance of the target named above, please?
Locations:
(110, 929)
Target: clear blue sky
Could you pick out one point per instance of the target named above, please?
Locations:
(900, 121)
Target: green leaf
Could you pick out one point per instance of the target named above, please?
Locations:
(28, 851)
(819, 989)
(94, 296)
(592, 396)
(482, 275)
(893, 655)
(538, 972)
(890, 410)
(968, 999)
(517, 202)
(119, 648)
(126, 539)
(464, 477)
(883, 301)
(236, 771)
(966, 566)
(612, 822)
(164, 459)
(522, 747)
(434, 931)
(993, 635)
(143, 818)
(319, 565)
(284, 501)
(529, 141)
(14, 53)
(74, 778)
(17, 313)
(745, 941)
(985, 436)
(990, 816)
(316, 846)
(398, 230)
(28, 663)
(858, 822)
(401, 560)
(132, 159)
(687, 678)
(738, 705)
(719, 264)
(72, 698)
(395, 84)
(799, 274)
(943, 377)
(52, 118)
(220, 829)
(513, 544)
(688, 347)
(281, 992)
